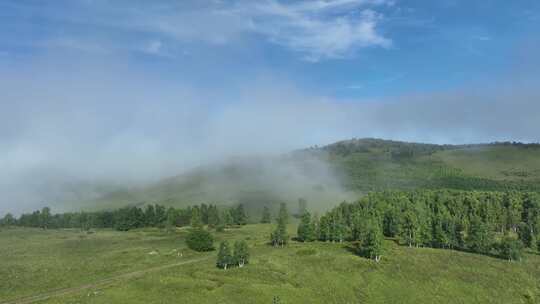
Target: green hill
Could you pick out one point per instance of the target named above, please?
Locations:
(373, 164)
(342, 171)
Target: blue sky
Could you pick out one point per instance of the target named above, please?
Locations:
(146, 89)
(342, 48)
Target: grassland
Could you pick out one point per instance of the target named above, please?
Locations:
(36, 261)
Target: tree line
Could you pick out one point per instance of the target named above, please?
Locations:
(132, 217)
(500, 224)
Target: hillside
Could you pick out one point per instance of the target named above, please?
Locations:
(341, 171)
(373, 164)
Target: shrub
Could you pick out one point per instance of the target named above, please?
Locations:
(200, 240)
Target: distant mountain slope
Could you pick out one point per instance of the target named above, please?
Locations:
(342, 171)
(374, 164)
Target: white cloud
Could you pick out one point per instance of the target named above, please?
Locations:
(154, 47)
(316, 30)
(75, 44)
(320, 29)
(355, 87)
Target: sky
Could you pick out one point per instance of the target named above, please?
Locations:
(132, 91)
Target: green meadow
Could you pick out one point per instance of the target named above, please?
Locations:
(36, 262)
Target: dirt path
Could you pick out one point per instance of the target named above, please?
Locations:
(101, 283)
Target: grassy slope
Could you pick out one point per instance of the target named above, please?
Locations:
(299, 273)
(371, 166)
(497, 162)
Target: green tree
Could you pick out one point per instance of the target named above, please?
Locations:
(266, 218)
(241, 253)
(526, 235)
(45, 217)
(213, 216)
(305, 228)
(196, 220)
(204, 214)
(279, 236)
(171, 218)
(315, 226)
(239, 215)
(479, 238)
(391, 222)
(227, 218)
(511, 249)
(372, 244)
(409, 228)
(199, 239)
(8, 220)
(150, 216)
(458, 234)
(513, 210)
(224, 257)
(439, 238)
(302, 207)
(283, 213)
(324, 229)
(160, 218)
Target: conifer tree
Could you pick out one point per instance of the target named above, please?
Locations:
(266, 218)
(315, 226)
(170, 222)
(227, 218)
(280, 237)
(196, 221)
(160, 216)
(302, 207)
(149, 216)
(8, 220)
(324, 229)
(239, 215)
(283, 213)
(213, 216)
(305, 228)
(204, 213)
(45, 217)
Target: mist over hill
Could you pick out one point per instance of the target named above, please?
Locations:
(327, 175)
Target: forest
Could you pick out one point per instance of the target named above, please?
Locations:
(132, 217)
(500, 224)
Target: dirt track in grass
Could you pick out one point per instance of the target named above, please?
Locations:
(96, 285)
